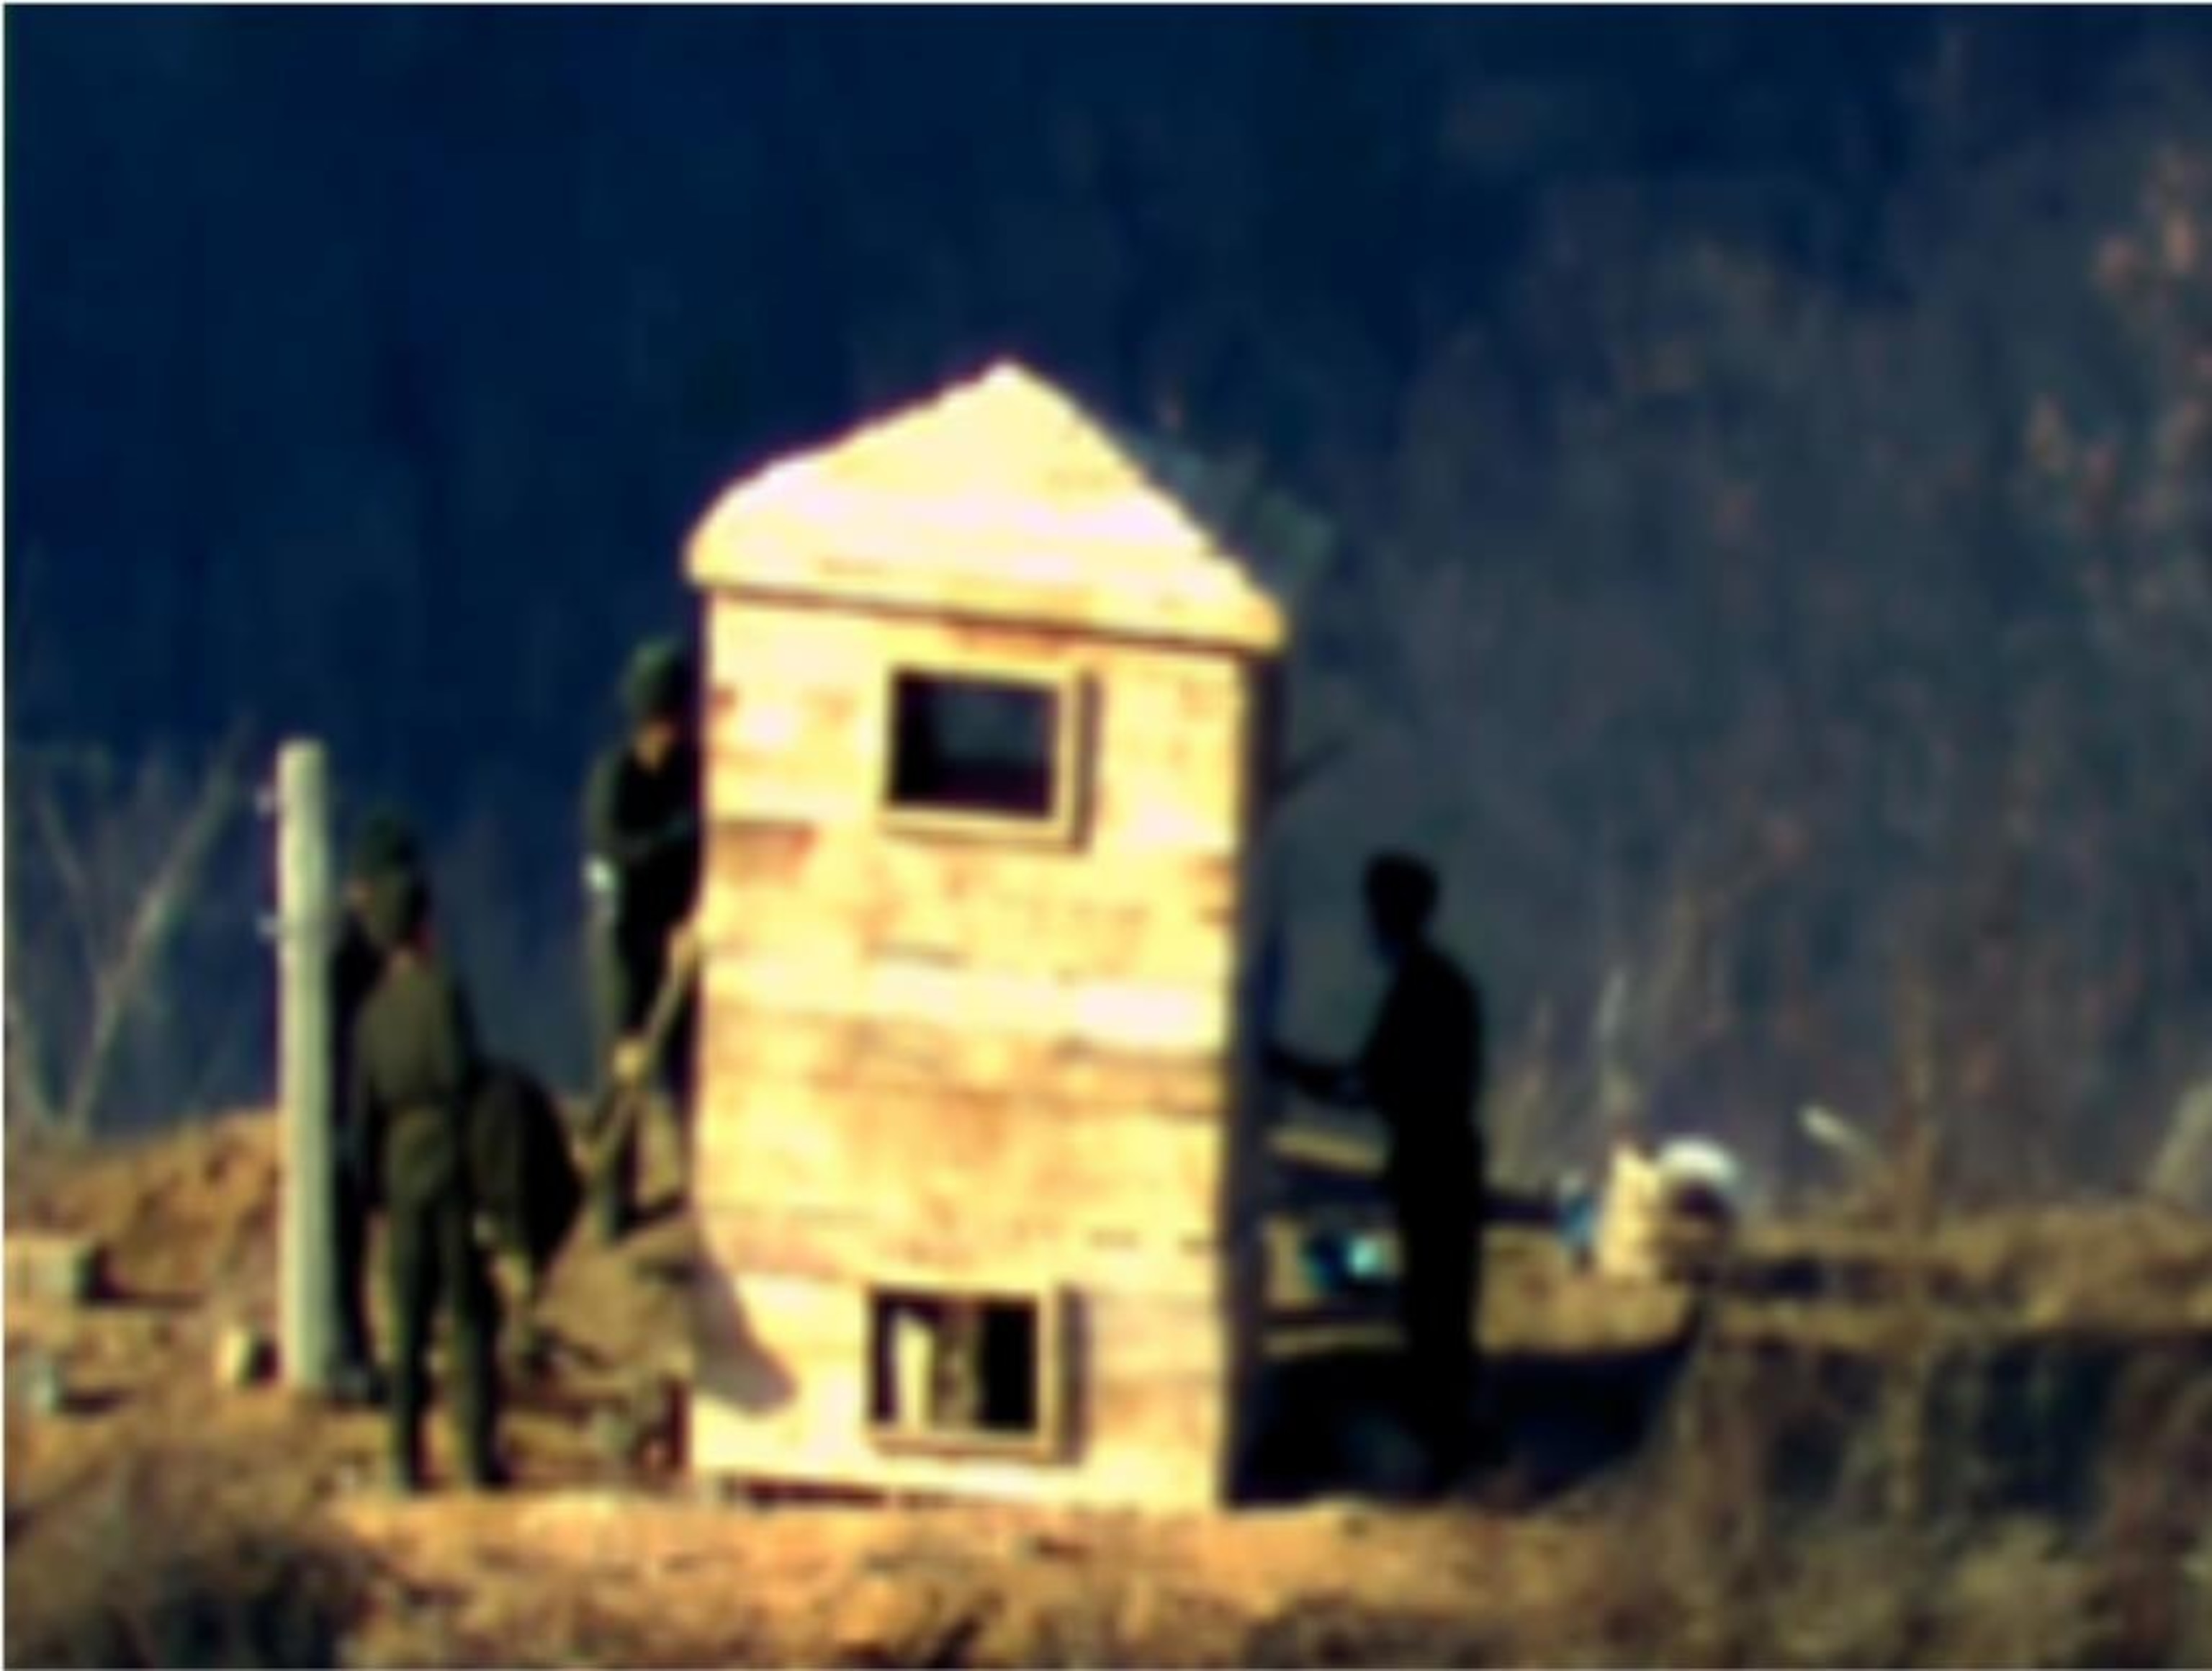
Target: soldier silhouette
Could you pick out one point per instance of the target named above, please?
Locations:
(416, 1071)
(386, 846)
(1421, 1071)
(642, 836)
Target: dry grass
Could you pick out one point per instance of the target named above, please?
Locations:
(152, 1582)
(1758, 1528)
(1950, 1496)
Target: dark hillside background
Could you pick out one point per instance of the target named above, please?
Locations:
(1768, 454)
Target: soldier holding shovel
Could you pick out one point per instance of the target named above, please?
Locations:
(642, 833)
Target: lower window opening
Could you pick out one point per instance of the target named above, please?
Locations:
(949, 1367)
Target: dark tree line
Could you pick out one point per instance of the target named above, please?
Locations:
(1766, 456)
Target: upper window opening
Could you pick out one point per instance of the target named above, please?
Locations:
(964, 744)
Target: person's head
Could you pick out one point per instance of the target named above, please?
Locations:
(657, 697)
(395, 911)
(1402, 898)
(385, 843)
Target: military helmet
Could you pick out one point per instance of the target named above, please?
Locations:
(395, 904)
(657, 684)
(384, 843)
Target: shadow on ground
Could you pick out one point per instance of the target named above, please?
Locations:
(1543, 1423)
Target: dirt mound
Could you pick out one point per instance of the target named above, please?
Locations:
(979, 1585)
(183, 1215)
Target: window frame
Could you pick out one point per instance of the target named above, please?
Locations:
(1045, 1443)
(1069, 690)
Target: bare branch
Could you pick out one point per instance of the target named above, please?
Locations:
(160, 908)
(29, 1091)
(1315, 762)
(76, 885)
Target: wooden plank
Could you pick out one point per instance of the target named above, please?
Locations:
(1170, 1215)
(740, 1043)
(792, 638)
(862, 862)
(1079, 1109)
(1149, 1015)
(965, 1155)
(1144, 1338)
(828, 701)
(914, 1121)
(892, 590)
(1178, 1416)
(982, 642)
(751, 1237)
(817, 793)
(1186, 1474)
(794, 642)
(1166, 927)
(759, 854)
(852, 864)
(731, 1165)
(749, 639)
(1136, 814)
(1118, 1428)
(1170, 1018)
(832, 1249)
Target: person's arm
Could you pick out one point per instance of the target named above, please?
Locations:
(1340, 1083)
(1389, 1059)
(605, 835)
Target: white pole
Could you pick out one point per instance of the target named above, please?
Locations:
(303, 905)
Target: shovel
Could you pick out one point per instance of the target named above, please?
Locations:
(616, 1114)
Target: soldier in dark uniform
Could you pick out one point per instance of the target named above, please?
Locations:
(414, 1075)
(1421, 1071)
(386, 845)
(641, 822)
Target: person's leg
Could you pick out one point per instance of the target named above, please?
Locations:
(1415, 1275)
(348, 1320)
(472, 1318)
(412, 1264)
(354, 1361)
(1437, 1308)
(1452, 1420)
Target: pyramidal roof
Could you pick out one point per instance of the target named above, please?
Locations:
(1001, 497)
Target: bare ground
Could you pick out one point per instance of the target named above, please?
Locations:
(1743, 1503)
